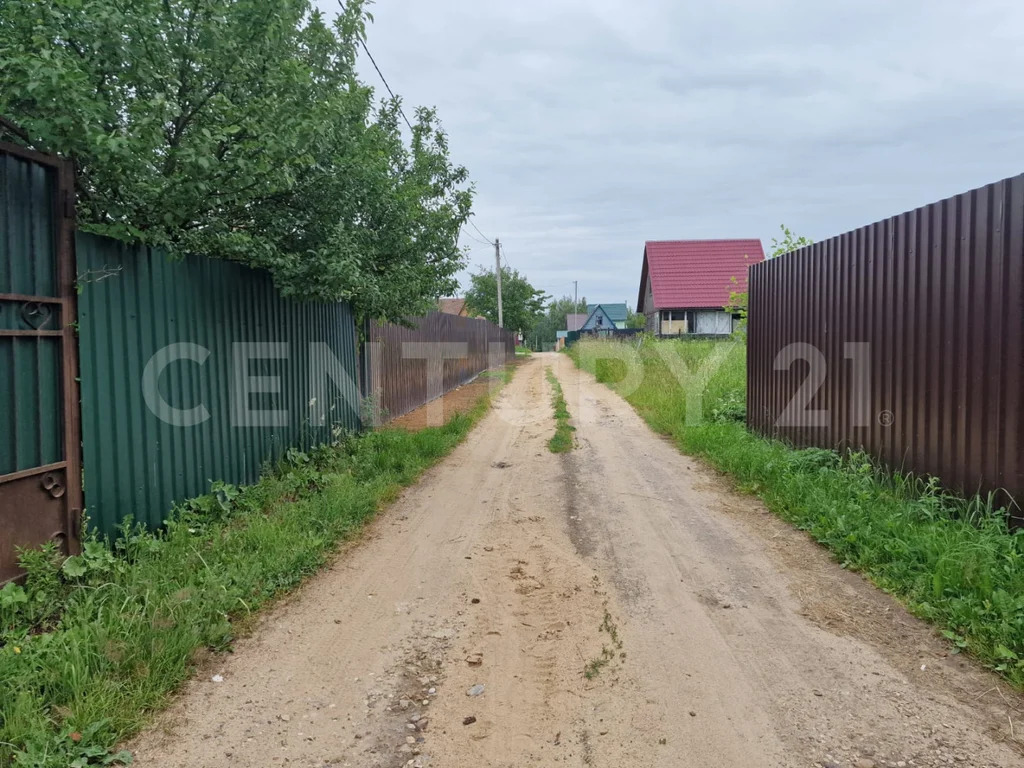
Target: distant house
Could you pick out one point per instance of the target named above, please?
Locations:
(574, 322)
(453, 306)
(605, 317)
(684, 284)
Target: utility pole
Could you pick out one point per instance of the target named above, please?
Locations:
(575, 295)
(497, 273)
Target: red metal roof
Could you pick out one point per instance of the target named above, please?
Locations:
(696, 273)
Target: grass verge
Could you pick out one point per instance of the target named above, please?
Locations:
(92, 646)
(562, 441)
(952, 561)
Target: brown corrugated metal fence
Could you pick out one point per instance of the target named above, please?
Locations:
(913, 334)
(454, 349)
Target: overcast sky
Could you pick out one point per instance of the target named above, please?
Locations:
(590, 126)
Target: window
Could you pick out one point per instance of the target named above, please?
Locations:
(713, 322)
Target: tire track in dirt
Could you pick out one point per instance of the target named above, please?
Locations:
(702, 570)
(336, 676)
(499, 569)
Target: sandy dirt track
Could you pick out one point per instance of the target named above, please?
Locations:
(716, 635)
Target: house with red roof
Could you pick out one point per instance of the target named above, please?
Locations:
(454, 306)
(685, 284)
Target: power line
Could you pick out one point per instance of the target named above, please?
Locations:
(471, 236)
(486, 240)
(485, 237)
(384, 80)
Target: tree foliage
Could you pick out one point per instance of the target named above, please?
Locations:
(238, 129)
(635, 319)
(739, 300)
(545, 332)
(522, 304)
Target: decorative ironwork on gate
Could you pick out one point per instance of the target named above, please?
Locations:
(40, 435)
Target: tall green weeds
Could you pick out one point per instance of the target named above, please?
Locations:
(562, 440)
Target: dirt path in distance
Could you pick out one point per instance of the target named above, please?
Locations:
(619, 606)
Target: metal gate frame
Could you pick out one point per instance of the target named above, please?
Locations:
(60, 480)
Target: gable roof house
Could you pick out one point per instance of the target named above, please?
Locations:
(605, 317)
(684, 284)
(455, 306)
(452, 306)
(575, 321)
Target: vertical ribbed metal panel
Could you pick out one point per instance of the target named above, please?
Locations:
(136, 301)
(30, 370)
(399, 382)
(938, 295)
(27, 227)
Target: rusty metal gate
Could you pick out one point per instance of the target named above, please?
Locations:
(40, 442)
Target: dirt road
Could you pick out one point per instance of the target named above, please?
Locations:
(711, 634)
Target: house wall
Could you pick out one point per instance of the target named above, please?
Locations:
(650, 312)
(606, 322)
(712, 321)
(670, 322)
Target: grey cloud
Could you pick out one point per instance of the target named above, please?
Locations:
(590, 126)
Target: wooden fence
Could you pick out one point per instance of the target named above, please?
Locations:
(406, 367)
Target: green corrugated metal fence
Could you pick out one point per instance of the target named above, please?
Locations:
(30, 393)
(136, 302)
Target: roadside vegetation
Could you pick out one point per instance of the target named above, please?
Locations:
(521, 303)
(544, 334)
(90, 647)
(241, 131)
(609, 653)
(562, 441)
(953, 561)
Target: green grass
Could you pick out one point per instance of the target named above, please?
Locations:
(952, 561)
(562, 440)
(608, 653)
(504, 374)
(91, 648)
(523, 352)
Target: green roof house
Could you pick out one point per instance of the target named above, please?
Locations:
(605, 317)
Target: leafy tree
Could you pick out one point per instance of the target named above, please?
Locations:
(238, 129)
(522, 304)
(789, 243)
(739, 300)
(553, 320)
(635, 319)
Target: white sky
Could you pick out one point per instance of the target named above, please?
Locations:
(590, 126)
